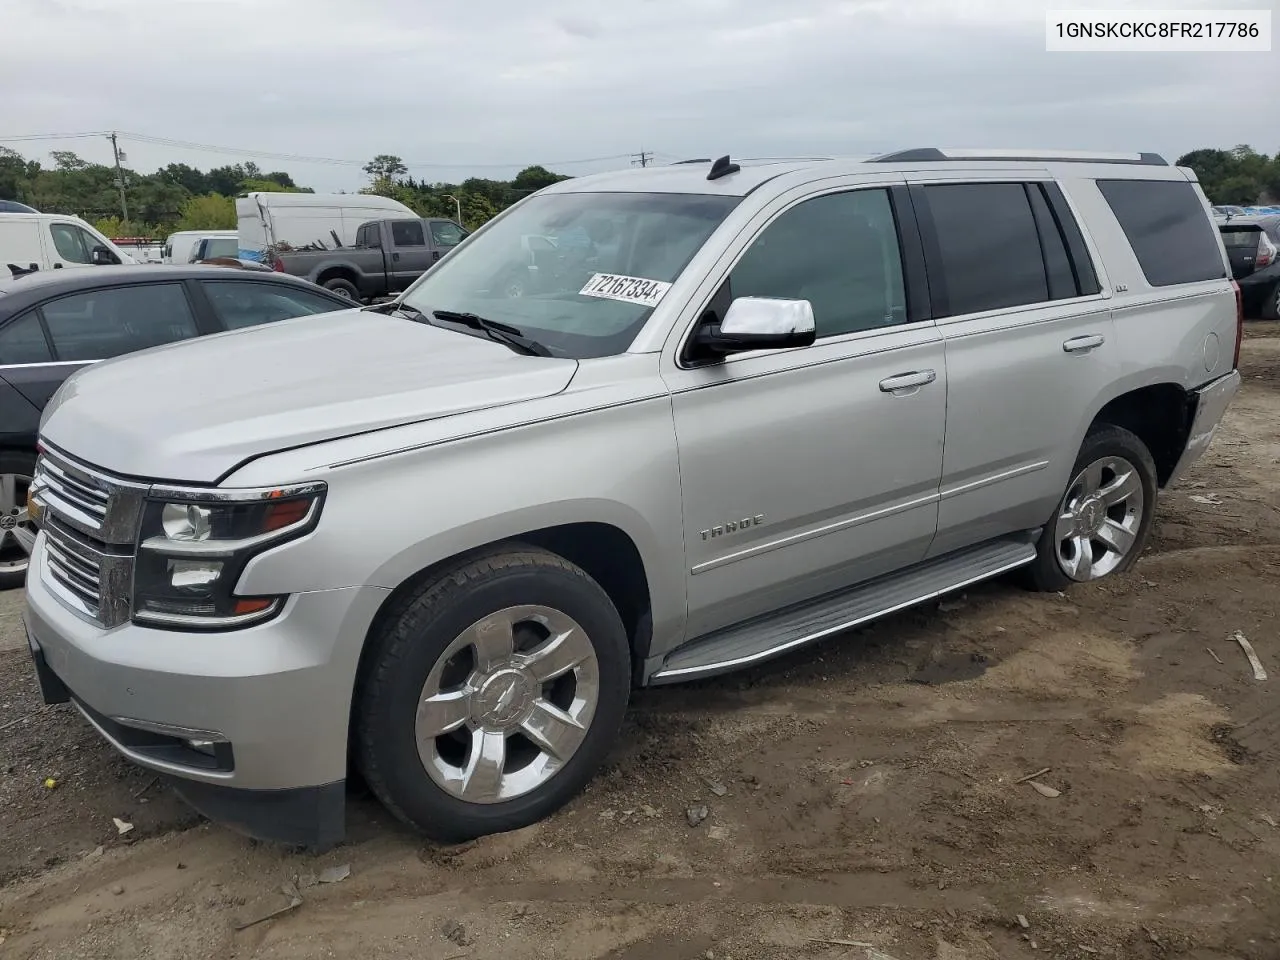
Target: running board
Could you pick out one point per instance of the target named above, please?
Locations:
(776, 633)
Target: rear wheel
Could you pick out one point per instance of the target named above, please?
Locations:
(491, 695)
(343, 288)
(1104, 517)
(1271, 304)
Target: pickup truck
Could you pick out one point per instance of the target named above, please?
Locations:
(386, 257)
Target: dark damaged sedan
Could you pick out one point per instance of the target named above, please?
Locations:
(54, 322)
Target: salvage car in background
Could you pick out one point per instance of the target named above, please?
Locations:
(386, 257)
(52, 323)
(1253, 246)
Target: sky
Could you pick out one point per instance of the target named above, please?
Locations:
(484, 88)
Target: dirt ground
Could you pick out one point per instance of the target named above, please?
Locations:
(864, 791)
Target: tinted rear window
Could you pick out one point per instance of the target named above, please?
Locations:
(1168, 228)
(1244, 237)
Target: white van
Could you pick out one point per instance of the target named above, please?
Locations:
(308, 221)
(50, 241)
(178, 246)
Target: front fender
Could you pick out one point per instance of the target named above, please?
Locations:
(388, 517)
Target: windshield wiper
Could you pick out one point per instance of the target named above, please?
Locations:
(501, 332)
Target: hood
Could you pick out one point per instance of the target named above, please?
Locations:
(194, 410)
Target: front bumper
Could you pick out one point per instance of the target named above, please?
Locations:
(269, 705)
(1212, 401)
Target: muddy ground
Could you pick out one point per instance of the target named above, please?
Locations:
(865, 791)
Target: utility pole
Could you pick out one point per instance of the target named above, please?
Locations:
(115, 150)
(642, 158)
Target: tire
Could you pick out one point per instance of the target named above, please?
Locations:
(17, 467)
(343, 288)
(1271, 304)
(1108, 453)
(416, 760)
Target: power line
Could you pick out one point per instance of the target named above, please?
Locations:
(642, 158)
(297, 157)
(17, 138)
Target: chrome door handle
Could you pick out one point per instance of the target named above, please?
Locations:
(1077, 344)
(906, 381)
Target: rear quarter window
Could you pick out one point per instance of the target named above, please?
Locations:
(1168, 228)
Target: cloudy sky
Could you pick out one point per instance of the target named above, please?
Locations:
(485, 87)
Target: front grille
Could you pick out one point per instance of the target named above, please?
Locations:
(75, 567)
(100, 506)
(69, 493)
(90, 522)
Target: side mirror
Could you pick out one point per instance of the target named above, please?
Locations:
(759, 323)
(102, 257)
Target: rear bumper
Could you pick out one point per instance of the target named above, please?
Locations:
(1212, 401)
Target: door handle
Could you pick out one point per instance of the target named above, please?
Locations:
(435, 254)
(395, 256)
(907, 381)
(1078, 344)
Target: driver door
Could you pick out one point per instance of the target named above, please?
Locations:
(807, 470)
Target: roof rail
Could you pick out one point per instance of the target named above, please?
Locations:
(934, 154)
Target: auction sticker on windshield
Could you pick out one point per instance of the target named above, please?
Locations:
(613, 286)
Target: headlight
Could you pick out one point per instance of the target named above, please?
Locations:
(195, 543)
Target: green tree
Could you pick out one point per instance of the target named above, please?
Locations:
(67, 160)
(209, 212)
(15, 173)
(1240, 176)
(189, 178)
(385, 166)
(532, 179)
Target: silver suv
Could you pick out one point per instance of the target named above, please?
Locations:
(736, 408)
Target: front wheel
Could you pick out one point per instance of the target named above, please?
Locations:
(491, 695)
(17, 535)
(1104, 517)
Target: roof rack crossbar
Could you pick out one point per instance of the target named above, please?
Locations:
(935, 154)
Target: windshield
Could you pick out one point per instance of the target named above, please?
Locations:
(578, 272)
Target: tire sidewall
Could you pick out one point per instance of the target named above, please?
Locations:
(343, 288)
(23, 463)
(1105, 441)
(389, 724)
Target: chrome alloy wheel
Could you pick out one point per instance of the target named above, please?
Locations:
(17, 536)
(507, 704)
(1099, 520)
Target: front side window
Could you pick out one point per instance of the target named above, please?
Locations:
(446, 234)
(840, 252)
(69, 241)
(22, 341)
(246, 303)
(100, 324)
(612, 257)
(1168, 229)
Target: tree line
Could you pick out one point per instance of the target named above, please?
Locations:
(1239, 177)
(182, 197)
